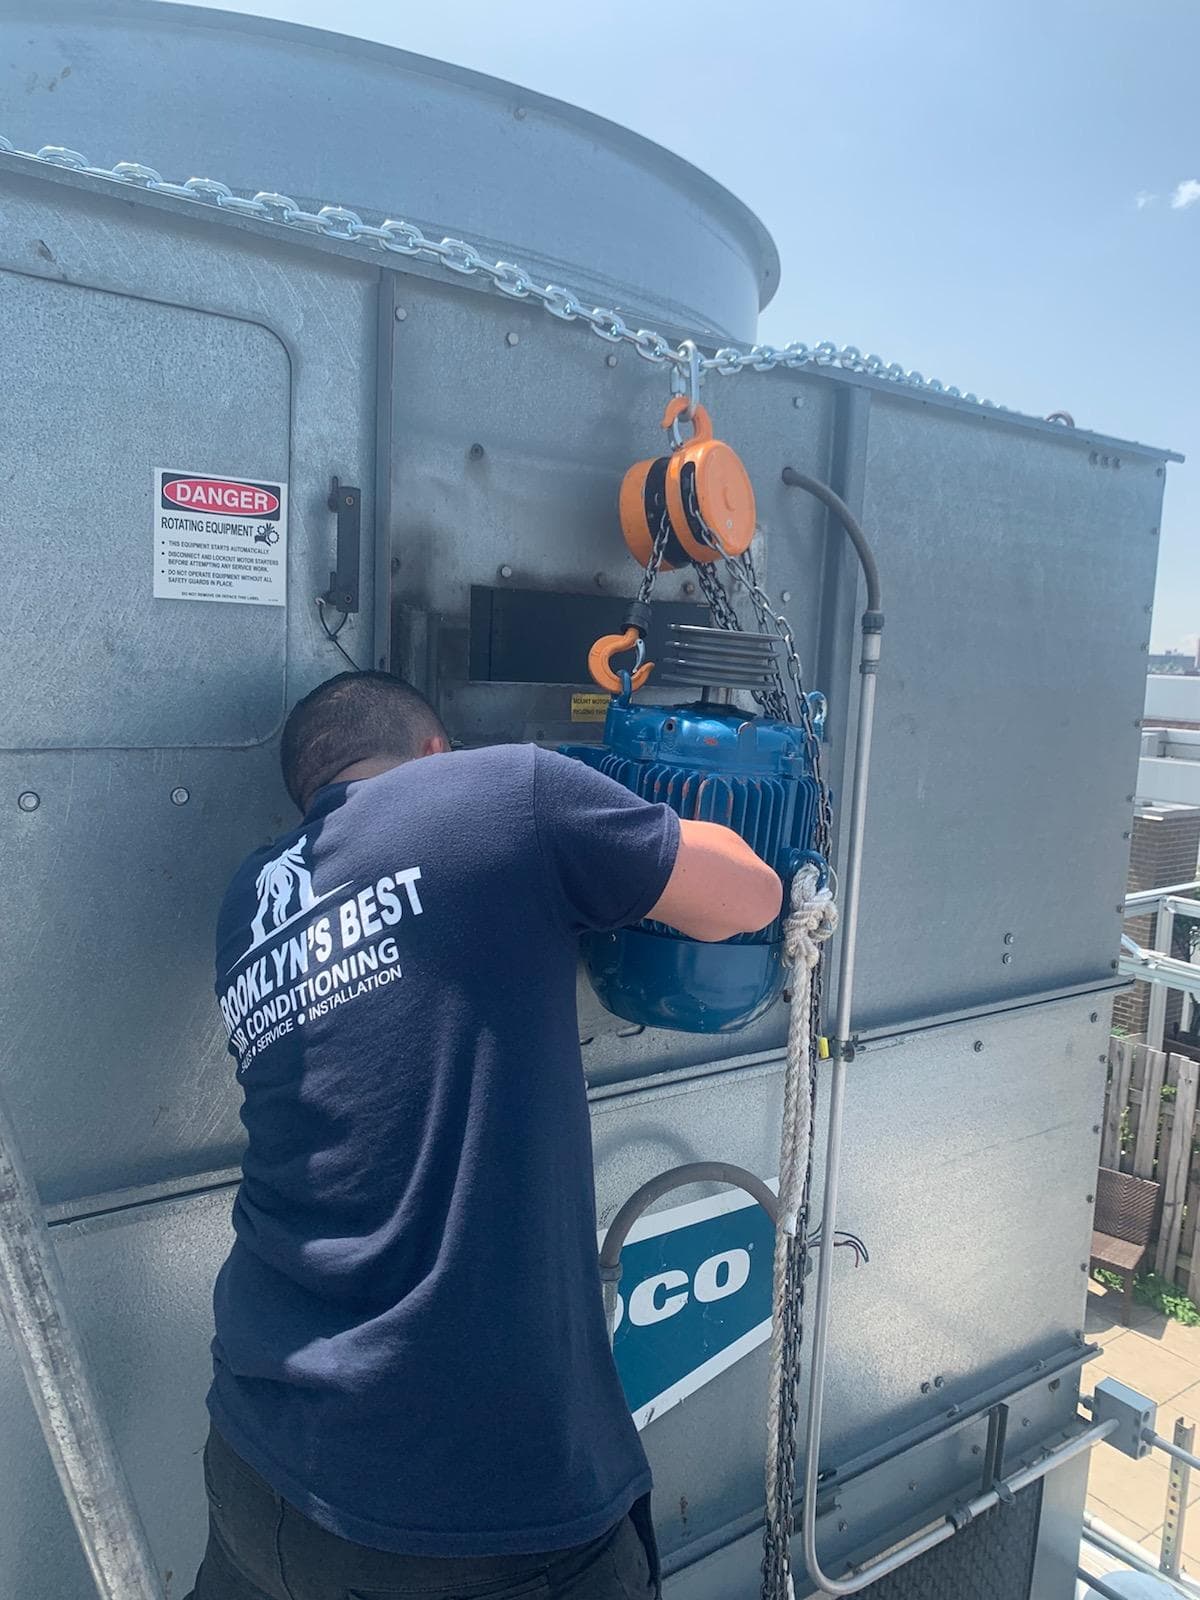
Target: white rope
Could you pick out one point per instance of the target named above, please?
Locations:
(811, 921)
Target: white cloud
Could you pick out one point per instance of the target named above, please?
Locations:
(1186, 194)
(1145, 199)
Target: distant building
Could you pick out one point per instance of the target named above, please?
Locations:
(1172, 701)
(1178, 663)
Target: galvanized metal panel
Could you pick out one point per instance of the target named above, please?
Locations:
(140, 1283)
(958, 1166)
(118, 1073)
(1019, 573)
(261, 104)
(98, 392)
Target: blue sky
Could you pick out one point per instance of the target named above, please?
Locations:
(981, 191)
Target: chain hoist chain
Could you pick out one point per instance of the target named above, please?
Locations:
(743, 572)
(518, 282)
(774, 702)
(662, 534)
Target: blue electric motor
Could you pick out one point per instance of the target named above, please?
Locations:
(712, 762)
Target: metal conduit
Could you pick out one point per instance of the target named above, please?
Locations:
(33, 1304)
(872, 628)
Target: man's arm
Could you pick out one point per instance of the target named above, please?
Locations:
(718, 886)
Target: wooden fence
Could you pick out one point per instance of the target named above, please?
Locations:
(1150, 1128)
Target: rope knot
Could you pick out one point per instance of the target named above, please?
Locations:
(811, 921)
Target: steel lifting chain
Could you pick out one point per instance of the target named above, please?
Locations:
(662, 534)
(517, 282)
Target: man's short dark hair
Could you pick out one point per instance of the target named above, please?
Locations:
(350, 718)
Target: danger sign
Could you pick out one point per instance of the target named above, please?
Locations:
(219, 538)
(220, 494)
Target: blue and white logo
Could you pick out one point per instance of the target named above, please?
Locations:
(695, 1298)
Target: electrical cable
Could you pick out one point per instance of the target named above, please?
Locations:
(332, 633)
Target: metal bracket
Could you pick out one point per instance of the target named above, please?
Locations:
(993, 1453)
(345, 501)
(1133, 1413)
(1178, 1489)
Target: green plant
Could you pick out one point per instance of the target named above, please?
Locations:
(1159, 1293)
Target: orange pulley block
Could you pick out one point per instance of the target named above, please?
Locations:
(694, 505)
(700, 488)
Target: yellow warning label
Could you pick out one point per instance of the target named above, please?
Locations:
(589, 707)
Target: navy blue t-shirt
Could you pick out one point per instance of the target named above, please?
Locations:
(410, 1342)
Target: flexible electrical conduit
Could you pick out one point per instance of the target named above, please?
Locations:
(654, 1189)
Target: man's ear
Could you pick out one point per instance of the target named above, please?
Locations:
(436, 745)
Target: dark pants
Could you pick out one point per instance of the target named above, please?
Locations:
(261, 1548)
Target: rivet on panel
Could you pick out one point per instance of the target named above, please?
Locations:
(939, 1383)
(180, 796)
(1094, 1016)
(798, 401)
(843, 1527)
(506, 571)
(1095, 1127)
(977, 1046)
(1009, 937)
(600, 580)
(689, 587)
(912, 1488)
(1114, 965)
(29, 801)
(520, 113)
(785, 595)
(401, 314)
(1006, 958)
(1090, 1199)
(475, 453)
(610, 360)
(512, 338)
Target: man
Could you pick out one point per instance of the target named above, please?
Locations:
(413, 1391)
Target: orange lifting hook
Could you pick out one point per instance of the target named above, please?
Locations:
(600, 660)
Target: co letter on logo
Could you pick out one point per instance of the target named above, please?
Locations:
(666, 1293)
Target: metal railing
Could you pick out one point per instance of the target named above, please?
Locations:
(1158, 967)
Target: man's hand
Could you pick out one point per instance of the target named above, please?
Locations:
(718, 887)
